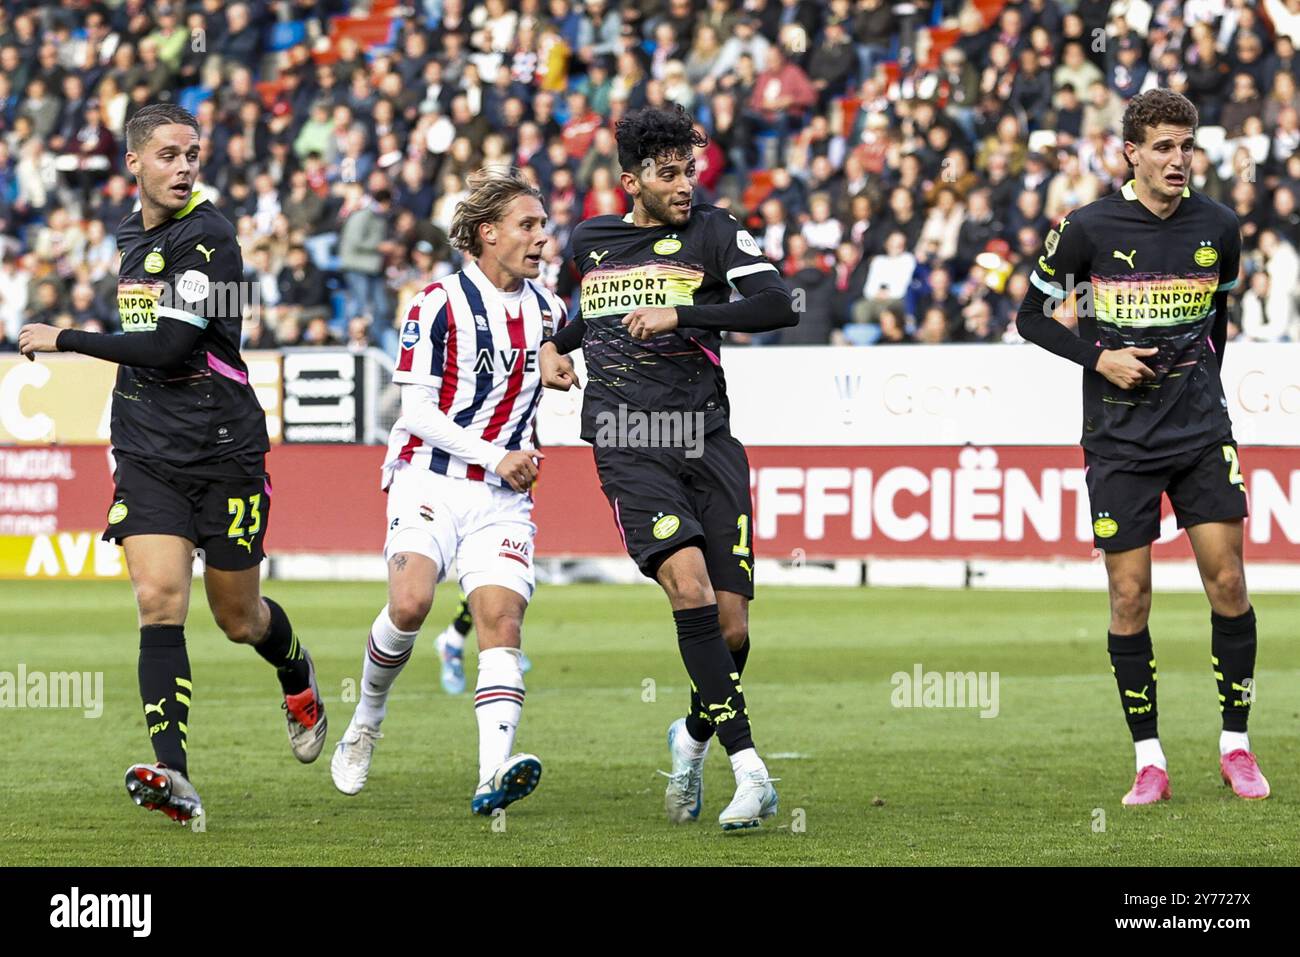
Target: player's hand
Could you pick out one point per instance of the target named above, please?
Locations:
(38, 337)
(519, 468)
(557, 370)
(648, 321)
(1125, 368)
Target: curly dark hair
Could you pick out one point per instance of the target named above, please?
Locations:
(652, 134)
(1155, 107)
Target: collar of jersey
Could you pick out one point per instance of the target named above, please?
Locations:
(1130, 192)
(632, 222)
(196, 197)
(480, 279)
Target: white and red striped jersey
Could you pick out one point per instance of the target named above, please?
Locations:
(476, 347)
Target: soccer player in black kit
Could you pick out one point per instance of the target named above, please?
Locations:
(654, 299)
(1152, 265)
(189, 440)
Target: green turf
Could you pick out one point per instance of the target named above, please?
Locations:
(870, 783)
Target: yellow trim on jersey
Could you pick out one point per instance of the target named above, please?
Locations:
(196, 197)
(1129, 192)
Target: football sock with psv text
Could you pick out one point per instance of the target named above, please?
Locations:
(713, 673)
(1232, 649)
(280, 647)
(1134, 665)
(698, 725)
(165, 690)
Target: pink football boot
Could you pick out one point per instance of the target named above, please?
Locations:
(1240, 770)
(1150, 785)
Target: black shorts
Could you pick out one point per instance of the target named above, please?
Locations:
(1204, 485)
(222, 507)
(664, 500)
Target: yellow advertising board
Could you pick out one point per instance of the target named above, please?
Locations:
(65, 399)
(78, 555)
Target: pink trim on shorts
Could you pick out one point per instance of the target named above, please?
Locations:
(229, 371)
(619, 522)
(713, 356)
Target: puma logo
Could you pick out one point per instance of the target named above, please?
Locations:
(247, 543)
(154, 707)
(748, 570)
(207, 253)
(1137, 694)
(597, 259)
(1128, 259)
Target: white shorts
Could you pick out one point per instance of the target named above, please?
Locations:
(486, 529)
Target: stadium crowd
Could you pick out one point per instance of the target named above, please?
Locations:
(900, 162)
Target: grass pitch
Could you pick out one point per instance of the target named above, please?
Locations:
(862, 782)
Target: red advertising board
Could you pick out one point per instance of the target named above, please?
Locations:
(825, 502)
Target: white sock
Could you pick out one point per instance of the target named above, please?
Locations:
(387, 652)
(498, 705)
(453, 639)
(689, 747)
(1150, 752)
(1232, 740)
(744, 763)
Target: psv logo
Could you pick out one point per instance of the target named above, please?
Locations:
(506, 360)
(519, 551)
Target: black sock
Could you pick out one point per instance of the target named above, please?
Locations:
(713, 673)
(1232, 647)
(463, 621)
(165, 689)
(280, 647)
(698, 725)
(1134, 665)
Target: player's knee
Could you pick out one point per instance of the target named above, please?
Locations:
(1229, 587)
(735, 634)
(1130, 603)
(686, 589)
(502, 630)
(159, 603)
(407, 611)
(240, 625)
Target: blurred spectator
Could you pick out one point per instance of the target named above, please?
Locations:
(361, 254)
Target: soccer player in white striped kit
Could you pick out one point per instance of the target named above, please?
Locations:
(460, 465)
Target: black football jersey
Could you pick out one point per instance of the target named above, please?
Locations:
(1150, 282)
(624, 267)
(189, 269)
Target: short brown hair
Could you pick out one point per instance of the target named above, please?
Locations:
(491, 191)
(141, 126)
(1155, 107)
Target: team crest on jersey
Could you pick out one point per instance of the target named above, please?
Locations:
(426, 512)
(154, 262)
(117, 513)
(1105, 526)
(1049, 244)
(481, 323)
(410, 333)
(1206, 255)
(668, 245)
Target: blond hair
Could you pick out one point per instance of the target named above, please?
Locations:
(491, 191)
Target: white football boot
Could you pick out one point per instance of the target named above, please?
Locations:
(350, 765)
(755, 800)
(685, 792)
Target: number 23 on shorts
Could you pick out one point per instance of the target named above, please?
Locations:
(253, 511)
(1234, 466)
